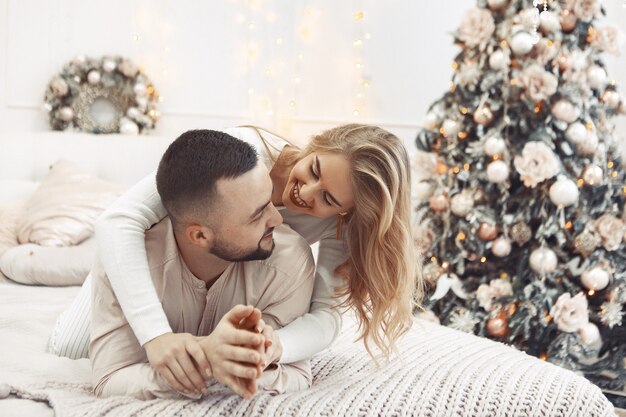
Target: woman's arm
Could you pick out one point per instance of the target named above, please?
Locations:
(120, 233)
(316, 330)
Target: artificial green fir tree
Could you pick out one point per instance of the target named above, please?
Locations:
(522, 190)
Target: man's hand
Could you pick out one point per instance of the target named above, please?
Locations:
(234, 352)
(173, 356)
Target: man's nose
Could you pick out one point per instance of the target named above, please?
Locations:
(275, 219)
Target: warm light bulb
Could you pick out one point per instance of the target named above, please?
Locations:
(357, 42)
(279, 41)
(250, 91)
(359, 16)
(135, 37)
(359, 95)
(356, 112)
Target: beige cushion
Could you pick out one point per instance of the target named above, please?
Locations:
(63, 210)
(33, 264)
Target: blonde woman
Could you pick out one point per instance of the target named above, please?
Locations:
(348, 189)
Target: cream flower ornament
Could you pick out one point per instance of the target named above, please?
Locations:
(536, 164)
(570, 314)
(609, 39)
(539, 83)
(611, 231)
(586, 10)
(476, 27)
(487, 294)
(425, 164)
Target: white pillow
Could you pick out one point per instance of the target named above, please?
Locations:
(49, 265)
(16, 190)
(63, 210)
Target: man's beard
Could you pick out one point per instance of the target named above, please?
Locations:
(228, 252)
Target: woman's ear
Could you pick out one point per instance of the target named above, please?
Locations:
(198, 235)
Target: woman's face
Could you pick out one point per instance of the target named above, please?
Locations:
(319, 185)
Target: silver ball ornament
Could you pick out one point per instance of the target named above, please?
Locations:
(497, 172)
(66, 113)
(543, 260)
(93, 77)
(564, 192)
(595, 278)
(501, 247)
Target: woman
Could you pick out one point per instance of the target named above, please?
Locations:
(366, 257)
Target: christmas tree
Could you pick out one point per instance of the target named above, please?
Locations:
(521, 188)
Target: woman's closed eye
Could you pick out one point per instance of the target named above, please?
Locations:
(325, 194)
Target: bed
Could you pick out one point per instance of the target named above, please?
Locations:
(440, 372)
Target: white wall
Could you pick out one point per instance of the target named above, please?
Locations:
(204, 58)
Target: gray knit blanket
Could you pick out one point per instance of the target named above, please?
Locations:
(441, 372)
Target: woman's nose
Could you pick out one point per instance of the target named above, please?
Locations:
(307, 191)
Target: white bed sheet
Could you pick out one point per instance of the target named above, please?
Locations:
(27, 313)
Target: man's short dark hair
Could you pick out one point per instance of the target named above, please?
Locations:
(191, 166)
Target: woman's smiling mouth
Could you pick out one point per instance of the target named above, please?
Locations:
(294, 195)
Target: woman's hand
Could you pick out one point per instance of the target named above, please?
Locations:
(173, 355)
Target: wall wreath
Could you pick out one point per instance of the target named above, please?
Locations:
(105, 95)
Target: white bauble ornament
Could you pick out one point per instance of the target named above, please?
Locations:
(611, 98)
(46, 107)
(549, 21)
(79, 60)
(133, 112)
(497, 172)
(564, 192)
(522, 43)
(588, 145)
(576, 132)
(66, 113)
(497, 4)
(543, 260)
(595, 278)
(5, 390)
(592, 175)
(596, 77)
(451, 127)
(424, 190)
(494, 146)
(461, 204)
(590, 335)
(93, 77)
(499, 60)
(108, 65)
(431, 121)
(128, 127)
(565, 111)
(140, 89)
(501, 247)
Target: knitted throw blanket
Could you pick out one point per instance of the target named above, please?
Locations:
(442, 372)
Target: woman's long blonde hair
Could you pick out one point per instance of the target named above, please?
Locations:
(383, 271)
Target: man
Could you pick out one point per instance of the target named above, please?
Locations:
(211, 261)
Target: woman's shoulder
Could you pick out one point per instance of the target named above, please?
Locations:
(312, 228)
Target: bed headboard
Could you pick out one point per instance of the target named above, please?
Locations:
(118, 158)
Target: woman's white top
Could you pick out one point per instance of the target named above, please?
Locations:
(120, 234)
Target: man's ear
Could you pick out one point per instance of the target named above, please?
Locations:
(198, 235)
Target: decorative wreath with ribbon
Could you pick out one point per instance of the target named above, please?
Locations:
(106, 95)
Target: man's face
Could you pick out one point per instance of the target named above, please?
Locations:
(247, 217)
